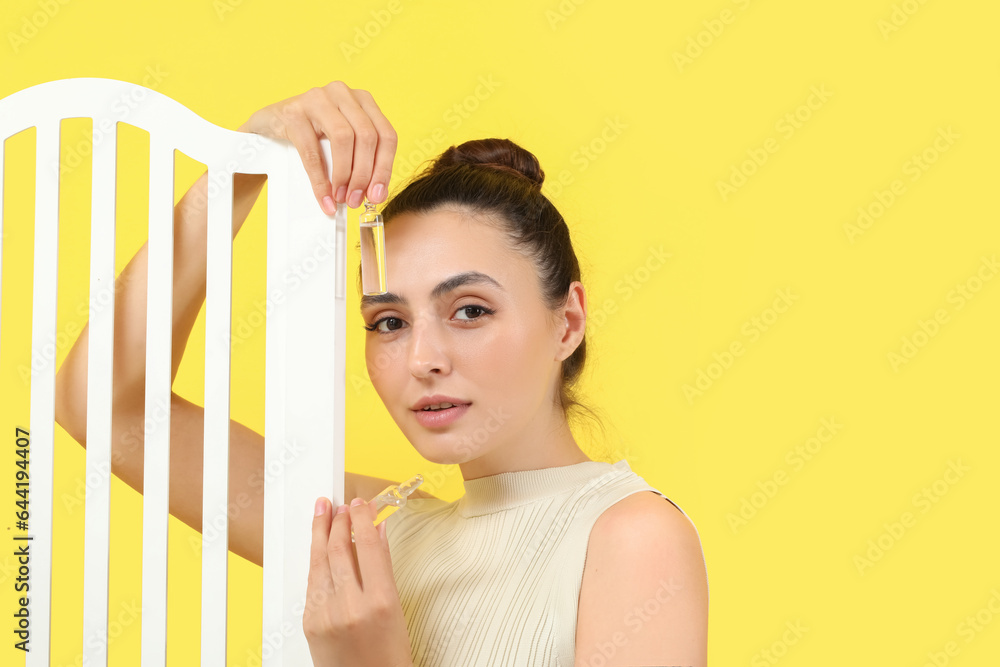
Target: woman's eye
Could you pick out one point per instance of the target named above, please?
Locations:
(392, 324)
(478, 311)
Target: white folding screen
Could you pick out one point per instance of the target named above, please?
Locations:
(304, 368)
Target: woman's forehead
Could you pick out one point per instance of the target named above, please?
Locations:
(443, 220)
(446, 241)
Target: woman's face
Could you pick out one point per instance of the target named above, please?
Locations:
(463, 318)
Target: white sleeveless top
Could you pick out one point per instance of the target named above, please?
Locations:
(494, 577)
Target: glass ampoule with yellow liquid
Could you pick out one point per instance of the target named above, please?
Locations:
(392, 498)
(372, 252)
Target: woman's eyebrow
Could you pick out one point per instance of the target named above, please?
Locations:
(442, 288)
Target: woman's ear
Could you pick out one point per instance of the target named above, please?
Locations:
(574, 317)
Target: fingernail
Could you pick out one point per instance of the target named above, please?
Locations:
(341, 509)
(320, 507)
(378, 193)
(341, 193)
(329, 205)
(356, 502)
(355, 199)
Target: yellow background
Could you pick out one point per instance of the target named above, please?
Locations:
(670, 100)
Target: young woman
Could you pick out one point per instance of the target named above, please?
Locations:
(549, 558)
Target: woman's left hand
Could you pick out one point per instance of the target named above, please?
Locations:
(353, 616)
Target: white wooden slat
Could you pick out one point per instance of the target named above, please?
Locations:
(100, 354)
(338, 363)
(218, 322)
(42, 411)
(275, 342)
(312, 437)
(156, 473)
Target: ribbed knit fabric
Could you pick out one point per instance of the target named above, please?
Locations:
(493, 578)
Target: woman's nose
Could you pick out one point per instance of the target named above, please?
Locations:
(428, 353)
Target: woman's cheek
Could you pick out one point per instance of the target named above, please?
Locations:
(516, 354)
(380, 359)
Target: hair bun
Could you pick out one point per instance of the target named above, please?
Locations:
(500, 154)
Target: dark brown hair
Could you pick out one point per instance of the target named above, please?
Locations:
(502, 182)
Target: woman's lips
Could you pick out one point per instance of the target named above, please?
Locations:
(439, 418)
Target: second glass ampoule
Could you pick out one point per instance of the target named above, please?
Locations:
(393, 497)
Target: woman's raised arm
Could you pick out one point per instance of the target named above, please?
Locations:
(363, 145)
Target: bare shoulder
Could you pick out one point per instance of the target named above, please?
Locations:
(650, 531)
(645, 586)
(635, 515)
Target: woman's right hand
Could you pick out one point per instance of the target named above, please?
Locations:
(362, 141)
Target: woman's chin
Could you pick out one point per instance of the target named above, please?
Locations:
(445, 457)
(441, 453)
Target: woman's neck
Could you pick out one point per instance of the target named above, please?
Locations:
(533, 452)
